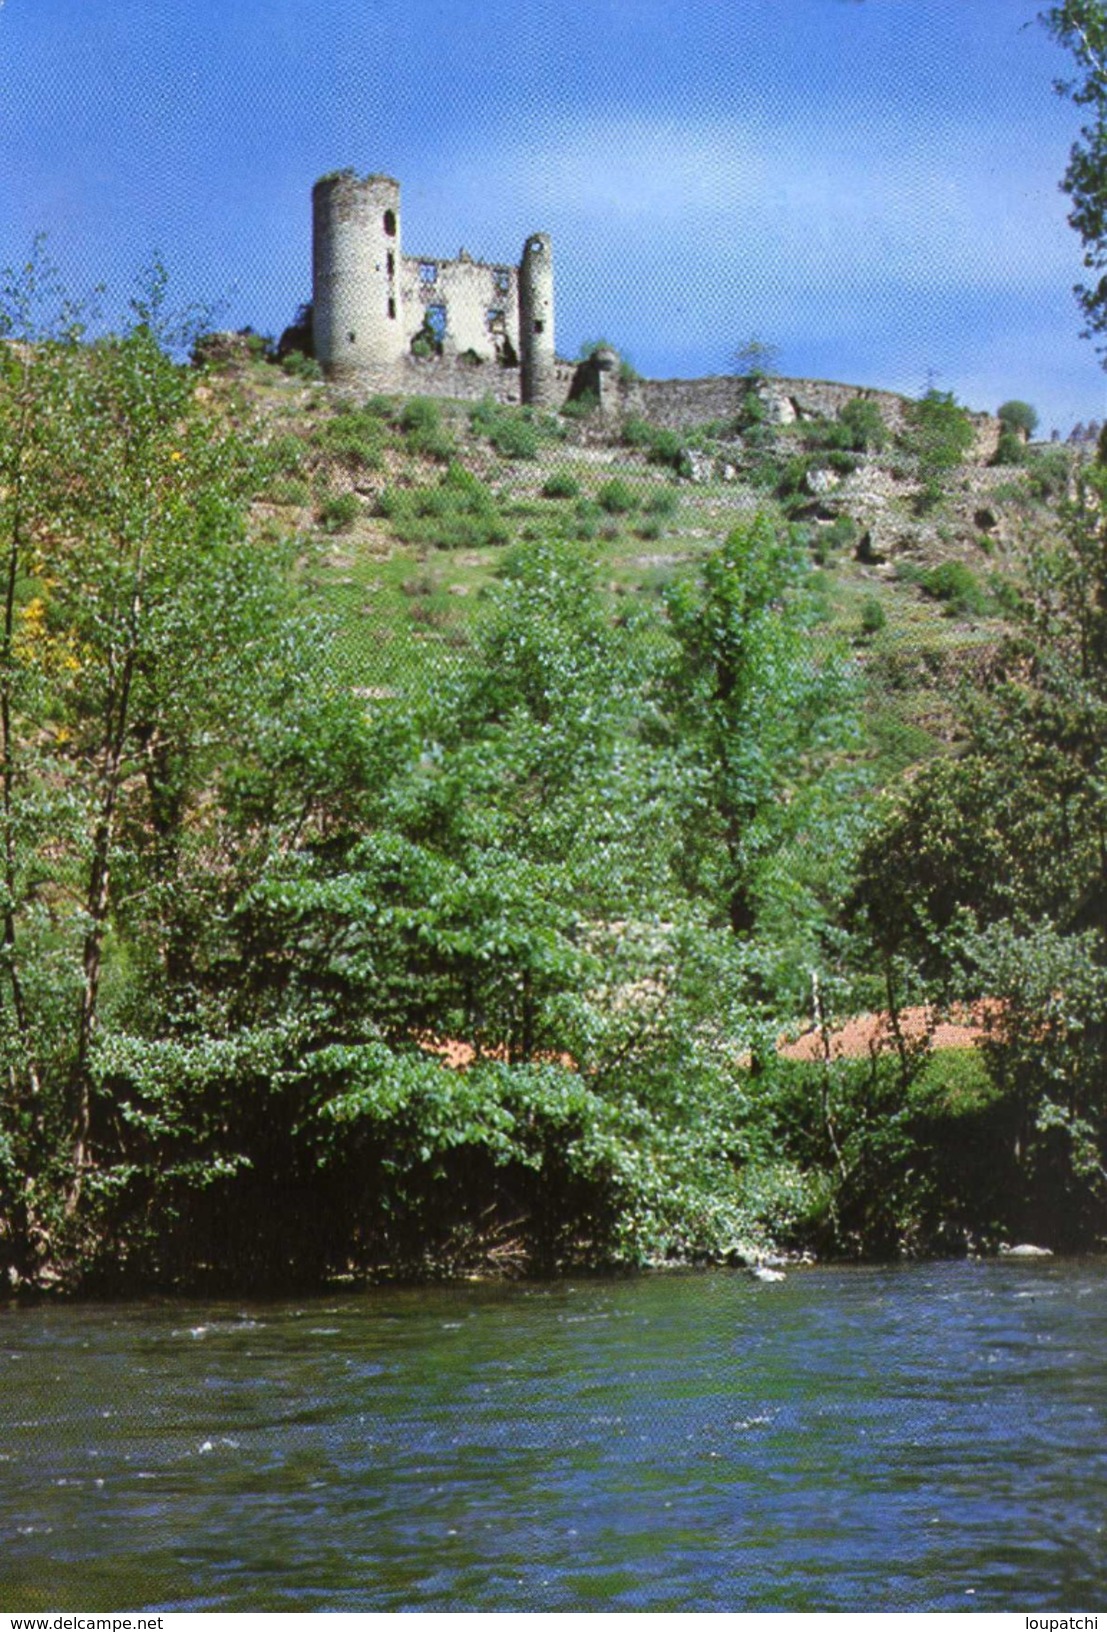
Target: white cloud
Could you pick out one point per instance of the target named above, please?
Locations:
(925, 207)
(872, 250)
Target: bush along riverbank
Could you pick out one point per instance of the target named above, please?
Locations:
(262, 853)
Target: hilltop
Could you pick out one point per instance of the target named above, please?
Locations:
(914, 554)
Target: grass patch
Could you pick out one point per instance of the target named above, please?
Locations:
(459, 512)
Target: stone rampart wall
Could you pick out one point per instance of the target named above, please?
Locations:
(677, 405)
(680, 405)
(452, 377)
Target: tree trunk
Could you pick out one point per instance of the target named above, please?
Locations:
(97, 901)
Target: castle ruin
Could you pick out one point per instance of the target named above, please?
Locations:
(425, 325)
(419, 322)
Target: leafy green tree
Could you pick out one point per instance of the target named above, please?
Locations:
(940, 434)
(756, 714)
(1010, 448)
(1018, 416)
(989, 873)
(508, 882)
(131, 616)
(1080, 26)
(755, 360)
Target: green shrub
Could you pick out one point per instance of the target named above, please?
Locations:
(766, 471)
(420, 414)
(513, 432)
(939, 435)
(911, 1155)
(872, 616)
(300, 367)
(662, 447)
(751, 413)
(1049, 471)
(638, 432)
(864, 425)
(561, 486)
(791, 478)
(515, 438)
(339, 512)
(484, 415)
(1010, 449)
(841, 534)
(816, 434)
(587, 518)
(580, 407)
(355, 439)
(760, 437)
(617, 497)
(955, 584)
(663, 503)
(458, 513)
(667, 448)
(458, 478)
(424, 432)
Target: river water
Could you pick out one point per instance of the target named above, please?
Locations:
(930, 1437)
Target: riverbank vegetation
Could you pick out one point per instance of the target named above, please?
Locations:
(336, 734)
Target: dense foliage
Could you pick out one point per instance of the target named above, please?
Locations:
(301, 977)
(989, 876)
(241, 911)
(1081, 27)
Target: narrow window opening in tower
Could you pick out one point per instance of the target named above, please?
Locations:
(390, 223)
(428, 272)
(351, 337)
(391, 264)
(538, 325)
(391, 307)
(501, 280)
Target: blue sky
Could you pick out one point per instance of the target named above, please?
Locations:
(870, 185)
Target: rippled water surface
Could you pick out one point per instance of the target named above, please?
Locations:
(927, 1437)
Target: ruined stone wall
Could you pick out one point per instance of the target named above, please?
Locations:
(479, 302)
(681, 404)
(455, 377)
(459, 378)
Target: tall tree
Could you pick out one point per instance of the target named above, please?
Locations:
(756, 711)
(1081, 27)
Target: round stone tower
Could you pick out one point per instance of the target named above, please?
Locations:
(536, 320)
(357, 317)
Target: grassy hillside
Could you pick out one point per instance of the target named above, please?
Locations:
(403, 512)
